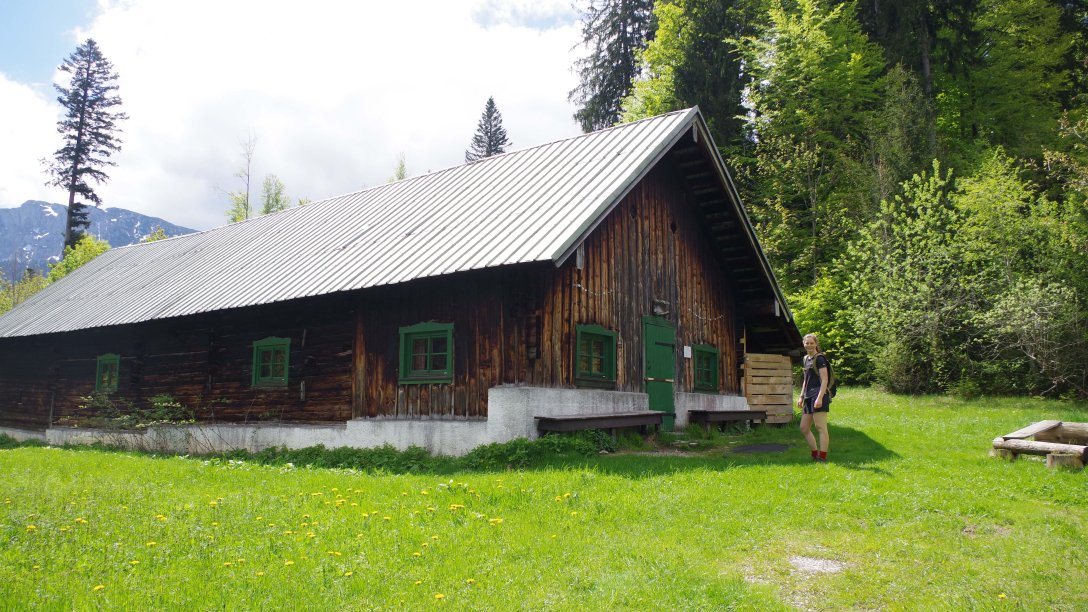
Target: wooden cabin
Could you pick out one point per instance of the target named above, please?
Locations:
(608, 272)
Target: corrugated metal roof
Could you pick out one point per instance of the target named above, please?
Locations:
(525, 206)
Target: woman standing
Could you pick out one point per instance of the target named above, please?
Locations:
(815, 402)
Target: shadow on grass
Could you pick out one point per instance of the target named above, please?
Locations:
(668, 454)
(764, 446)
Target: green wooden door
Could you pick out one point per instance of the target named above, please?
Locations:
(659, 337)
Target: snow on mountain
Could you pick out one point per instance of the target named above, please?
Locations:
(31, 235)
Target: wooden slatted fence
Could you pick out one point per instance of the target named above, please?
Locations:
(768, 385)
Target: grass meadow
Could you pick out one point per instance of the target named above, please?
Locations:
(910, 510)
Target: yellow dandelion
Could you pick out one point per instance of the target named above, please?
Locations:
(430, 509)
(425, 545)
(81, 521)
(288, 562)
(404, 494)
(558, 498)
(439, 596)
(495, 521)
(37, 567)
(214, 524)
(260, 573)
(424, 492)
(161, 517)
(566, 495)
(227, 564)
(417, 554)
(213, 503)
(434, 537)
(354, 505)
(470, 581)
(134, 562)
(98, 587)
(387, 518)
(152, 544)
(574, 514)
(317, 494)
(335, 553)
(305, 516)
(288, 532)
(348, 574)
(31, 527)
(65, 528)
(1001, 596)
(419, 582)
(311, 535)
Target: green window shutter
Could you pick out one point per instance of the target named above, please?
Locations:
(271, 362)
(595, 356)
(107, 373)
(426, 354)
(705, 362)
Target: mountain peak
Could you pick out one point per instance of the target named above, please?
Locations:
(31, 235)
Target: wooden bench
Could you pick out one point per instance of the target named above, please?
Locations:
(610, 420)
(706, 417)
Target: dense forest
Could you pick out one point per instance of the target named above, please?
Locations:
(917, 170)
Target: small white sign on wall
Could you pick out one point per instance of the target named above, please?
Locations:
(687, 352)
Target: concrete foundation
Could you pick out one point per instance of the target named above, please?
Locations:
(511, 410)
(705, 401)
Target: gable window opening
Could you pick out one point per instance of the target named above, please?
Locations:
(596, 356)
(426, 353)
(271, 362)
(706, 368)
(107, 372)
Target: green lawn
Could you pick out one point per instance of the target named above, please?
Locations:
(911, 508)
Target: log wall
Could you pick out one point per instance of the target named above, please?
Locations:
(203, 361)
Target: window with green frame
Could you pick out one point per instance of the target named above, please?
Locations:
(426, 353)
(706, 367)
(595, 364)
(107, 373)
(271, 360)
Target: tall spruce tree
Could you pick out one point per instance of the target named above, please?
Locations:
(89, 129)
(615, 32)
(490, 138)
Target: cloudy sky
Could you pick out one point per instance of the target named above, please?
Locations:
(334, 91)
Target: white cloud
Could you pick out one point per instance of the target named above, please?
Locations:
(28, 133)
(334, 92)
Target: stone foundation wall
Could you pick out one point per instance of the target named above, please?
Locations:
(511, 408)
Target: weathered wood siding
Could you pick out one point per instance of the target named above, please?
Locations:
(650, 248)
(490, 311)
(203, 361)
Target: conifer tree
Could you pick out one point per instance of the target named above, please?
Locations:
(614, 32)
(490, 138)
(89, 130)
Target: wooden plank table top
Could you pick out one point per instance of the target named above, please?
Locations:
(1032, 429)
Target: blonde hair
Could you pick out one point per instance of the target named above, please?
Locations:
(814, 339)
